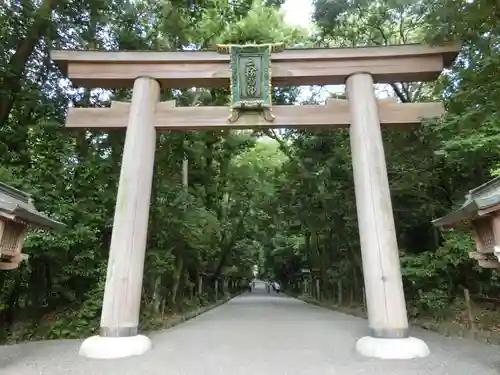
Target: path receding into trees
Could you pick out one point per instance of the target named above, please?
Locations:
(256, 334)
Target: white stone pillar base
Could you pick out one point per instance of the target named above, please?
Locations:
(99, 347)
(407, 348)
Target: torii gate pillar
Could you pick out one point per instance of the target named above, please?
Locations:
(385, 299)
(118, 336)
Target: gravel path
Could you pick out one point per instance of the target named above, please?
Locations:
(256, 334)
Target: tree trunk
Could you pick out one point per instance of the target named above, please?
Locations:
(177, 279)
(157, 295)
(11, 82)
(200, 286)
(226, 249)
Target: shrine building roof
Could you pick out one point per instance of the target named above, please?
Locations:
(480, 201)
(18, 205)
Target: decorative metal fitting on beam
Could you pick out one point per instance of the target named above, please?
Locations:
(251, 88)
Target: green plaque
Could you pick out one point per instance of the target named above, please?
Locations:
(250, 78)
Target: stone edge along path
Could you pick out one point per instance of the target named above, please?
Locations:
(174, 321)
(482, 337)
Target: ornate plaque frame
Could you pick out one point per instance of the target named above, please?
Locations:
(251, 88)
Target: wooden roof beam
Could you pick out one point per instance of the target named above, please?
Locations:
(334, 114)
(330, 66)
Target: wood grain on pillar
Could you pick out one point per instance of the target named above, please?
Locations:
(381, 267)
(122, 295)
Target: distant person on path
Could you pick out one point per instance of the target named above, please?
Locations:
(250, 287)
(276, 287)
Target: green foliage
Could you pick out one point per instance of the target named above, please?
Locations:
(249, 28)
(369, 22)
(81, 322)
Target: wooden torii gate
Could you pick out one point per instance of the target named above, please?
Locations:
(358, 68)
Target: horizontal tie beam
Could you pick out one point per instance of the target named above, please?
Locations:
(334, 114)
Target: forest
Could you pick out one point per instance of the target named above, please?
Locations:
(281, 200)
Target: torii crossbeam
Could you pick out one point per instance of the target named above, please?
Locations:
(335, 113)
(321, 66)
(358, 68)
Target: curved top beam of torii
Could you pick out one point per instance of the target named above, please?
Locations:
(327, 66)
(294, 67)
